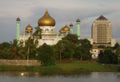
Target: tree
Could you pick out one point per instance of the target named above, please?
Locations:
(108, 57)
(59, 49)
(101, 57)
(72, 38)
(5, 45)
(82, 53)
(78, 53)
(64, 50)
(118, 53)
(82, 50)
(5, 50)
(37, 33)
(117, 45)
(31, 47)
(68, 45)
(46, 55)
(85, 43)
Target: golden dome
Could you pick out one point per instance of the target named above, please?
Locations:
(46, 20)
(28, 29)
(65, 29)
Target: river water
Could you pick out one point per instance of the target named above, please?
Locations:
(83, 77)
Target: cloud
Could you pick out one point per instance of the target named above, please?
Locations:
(64, 11)
(13, 8)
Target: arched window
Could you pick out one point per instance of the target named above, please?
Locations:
(52, 30)
(46, 30)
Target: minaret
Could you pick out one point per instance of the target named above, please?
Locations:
(17, 28)
(71, 28)
(78, 28)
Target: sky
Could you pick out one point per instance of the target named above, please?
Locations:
(63, 11)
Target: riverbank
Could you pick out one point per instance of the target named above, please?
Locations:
(63, 68)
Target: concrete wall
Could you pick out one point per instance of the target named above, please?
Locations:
(20, 62)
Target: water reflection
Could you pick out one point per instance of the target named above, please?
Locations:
(83, 77)
(19, 74)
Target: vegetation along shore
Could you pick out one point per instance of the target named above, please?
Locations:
(69, 56)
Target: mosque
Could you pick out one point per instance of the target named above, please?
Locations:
(45, 31)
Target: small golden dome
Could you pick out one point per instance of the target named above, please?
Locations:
(28, 29)
(65, 29)
(46, 20)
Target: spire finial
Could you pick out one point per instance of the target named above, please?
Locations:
(17, 19)
(78, 20)
(46, 12)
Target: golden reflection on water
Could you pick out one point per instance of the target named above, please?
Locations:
(22, 74)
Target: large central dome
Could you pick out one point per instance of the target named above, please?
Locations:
(46, 20)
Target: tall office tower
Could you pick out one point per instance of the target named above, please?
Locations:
(101, 32)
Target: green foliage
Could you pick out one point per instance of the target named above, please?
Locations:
(70, 47)
(5, 45)
(76, 67)
(82, 54)
(108, 57)
(14, 50)
(117, 45)
(85, 43)
(65, 49)
(46, 55)
(72, 38)
(5, 50)
(31, 48)
(37, 33)
(117, 51)
(82, 50)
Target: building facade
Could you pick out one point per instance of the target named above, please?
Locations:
(101, 32)
(45, 31)
(101, 35)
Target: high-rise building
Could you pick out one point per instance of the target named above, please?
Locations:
(101, 32)
(101, 35)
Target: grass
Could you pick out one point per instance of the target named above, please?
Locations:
(87, 66)
(75, 67)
